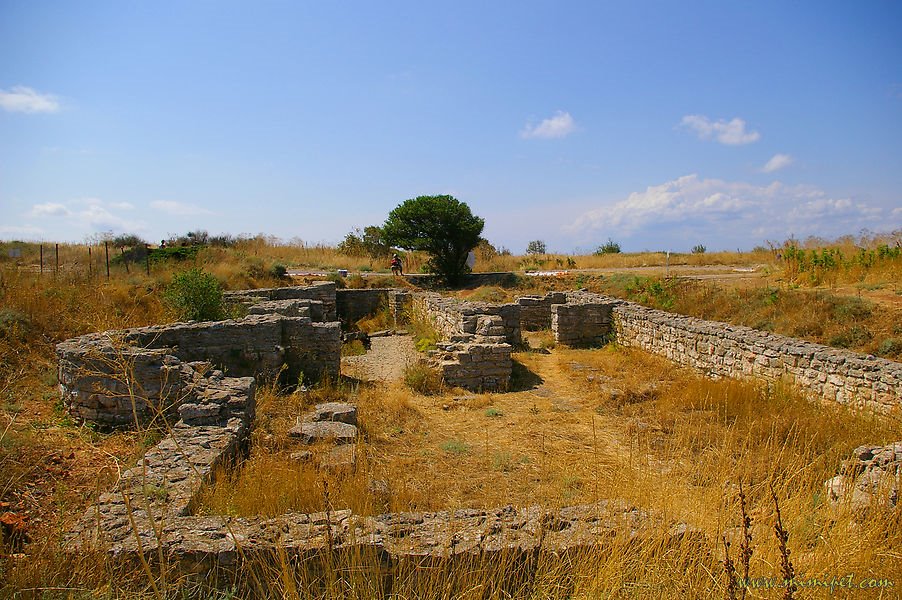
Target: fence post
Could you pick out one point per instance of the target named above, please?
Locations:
(56, 254)
(147, 258)
(42, 259)
(90, 263)
(106, 250)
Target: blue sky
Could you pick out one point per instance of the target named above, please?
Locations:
(660, 125)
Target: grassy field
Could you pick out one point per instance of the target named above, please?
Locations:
(580, 425)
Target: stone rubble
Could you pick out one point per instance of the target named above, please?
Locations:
(872, 477)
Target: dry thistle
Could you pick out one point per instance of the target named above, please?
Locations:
(786, 568)
(745, 546)
(730, 569)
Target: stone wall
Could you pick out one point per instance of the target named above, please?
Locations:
(114, 378)
(722, 350)
(477, 367)
(322, 292)
(289, 308)
(535, 311)
(355, 304)
(454, 318)
(581, 323)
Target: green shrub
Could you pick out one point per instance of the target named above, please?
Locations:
(353, 348)
(699, 249)
(423, 379)
(278, 271)
(851, 337)
(196, 296)
(890, 347)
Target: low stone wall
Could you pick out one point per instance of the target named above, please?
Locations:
(322, 292)
(120, 377)
(217, 417)
(453, 317)
(535, 311)
(722, 350)
(477, 367)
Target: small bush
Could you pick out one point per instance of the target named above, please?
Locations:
(890, 347)
(278, 271)
(13, 324)
(196, 296)
(423, 379)
(699, 249)
(493, 412)
(609, 247)
(851, 337)
(353, 348)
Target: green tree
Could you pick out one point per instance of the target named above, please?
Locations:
(536, 247)
(441, 226)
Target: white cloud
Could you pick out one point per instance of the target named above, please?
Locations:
(49, 209)
(558, 126)
(93, 213)
(736, 211)
(777, 162)
(179, 209)
(26, 100)
(732, 133)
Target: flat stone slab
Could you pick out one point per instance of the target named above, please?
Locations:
(340, 458)
(324, 431)
(336, 411)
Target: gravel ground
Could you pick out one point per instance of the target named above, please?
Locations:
(385, 360)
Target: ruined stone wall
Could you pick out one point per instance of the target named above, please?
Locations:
(535, 311)
(399, 305)
(113, 378)
(477, 367)
(722, 350)
(289, 308)
(322, 292)
(457, 319)
(585, 321)
(353, 305)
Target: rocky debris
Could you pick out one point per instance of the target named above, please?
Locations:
(322, 292)
(301, 456)
(871, 477)
(313, 432)
(288, 308)
(341, 412)
(340, 458)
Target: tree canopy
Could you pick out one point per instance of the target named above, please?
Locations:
(441, 226)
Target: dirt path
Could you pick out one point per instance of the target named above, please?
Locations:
(385, 360)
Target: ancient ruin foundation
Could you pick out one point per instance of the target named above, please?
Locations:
(200, 376)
